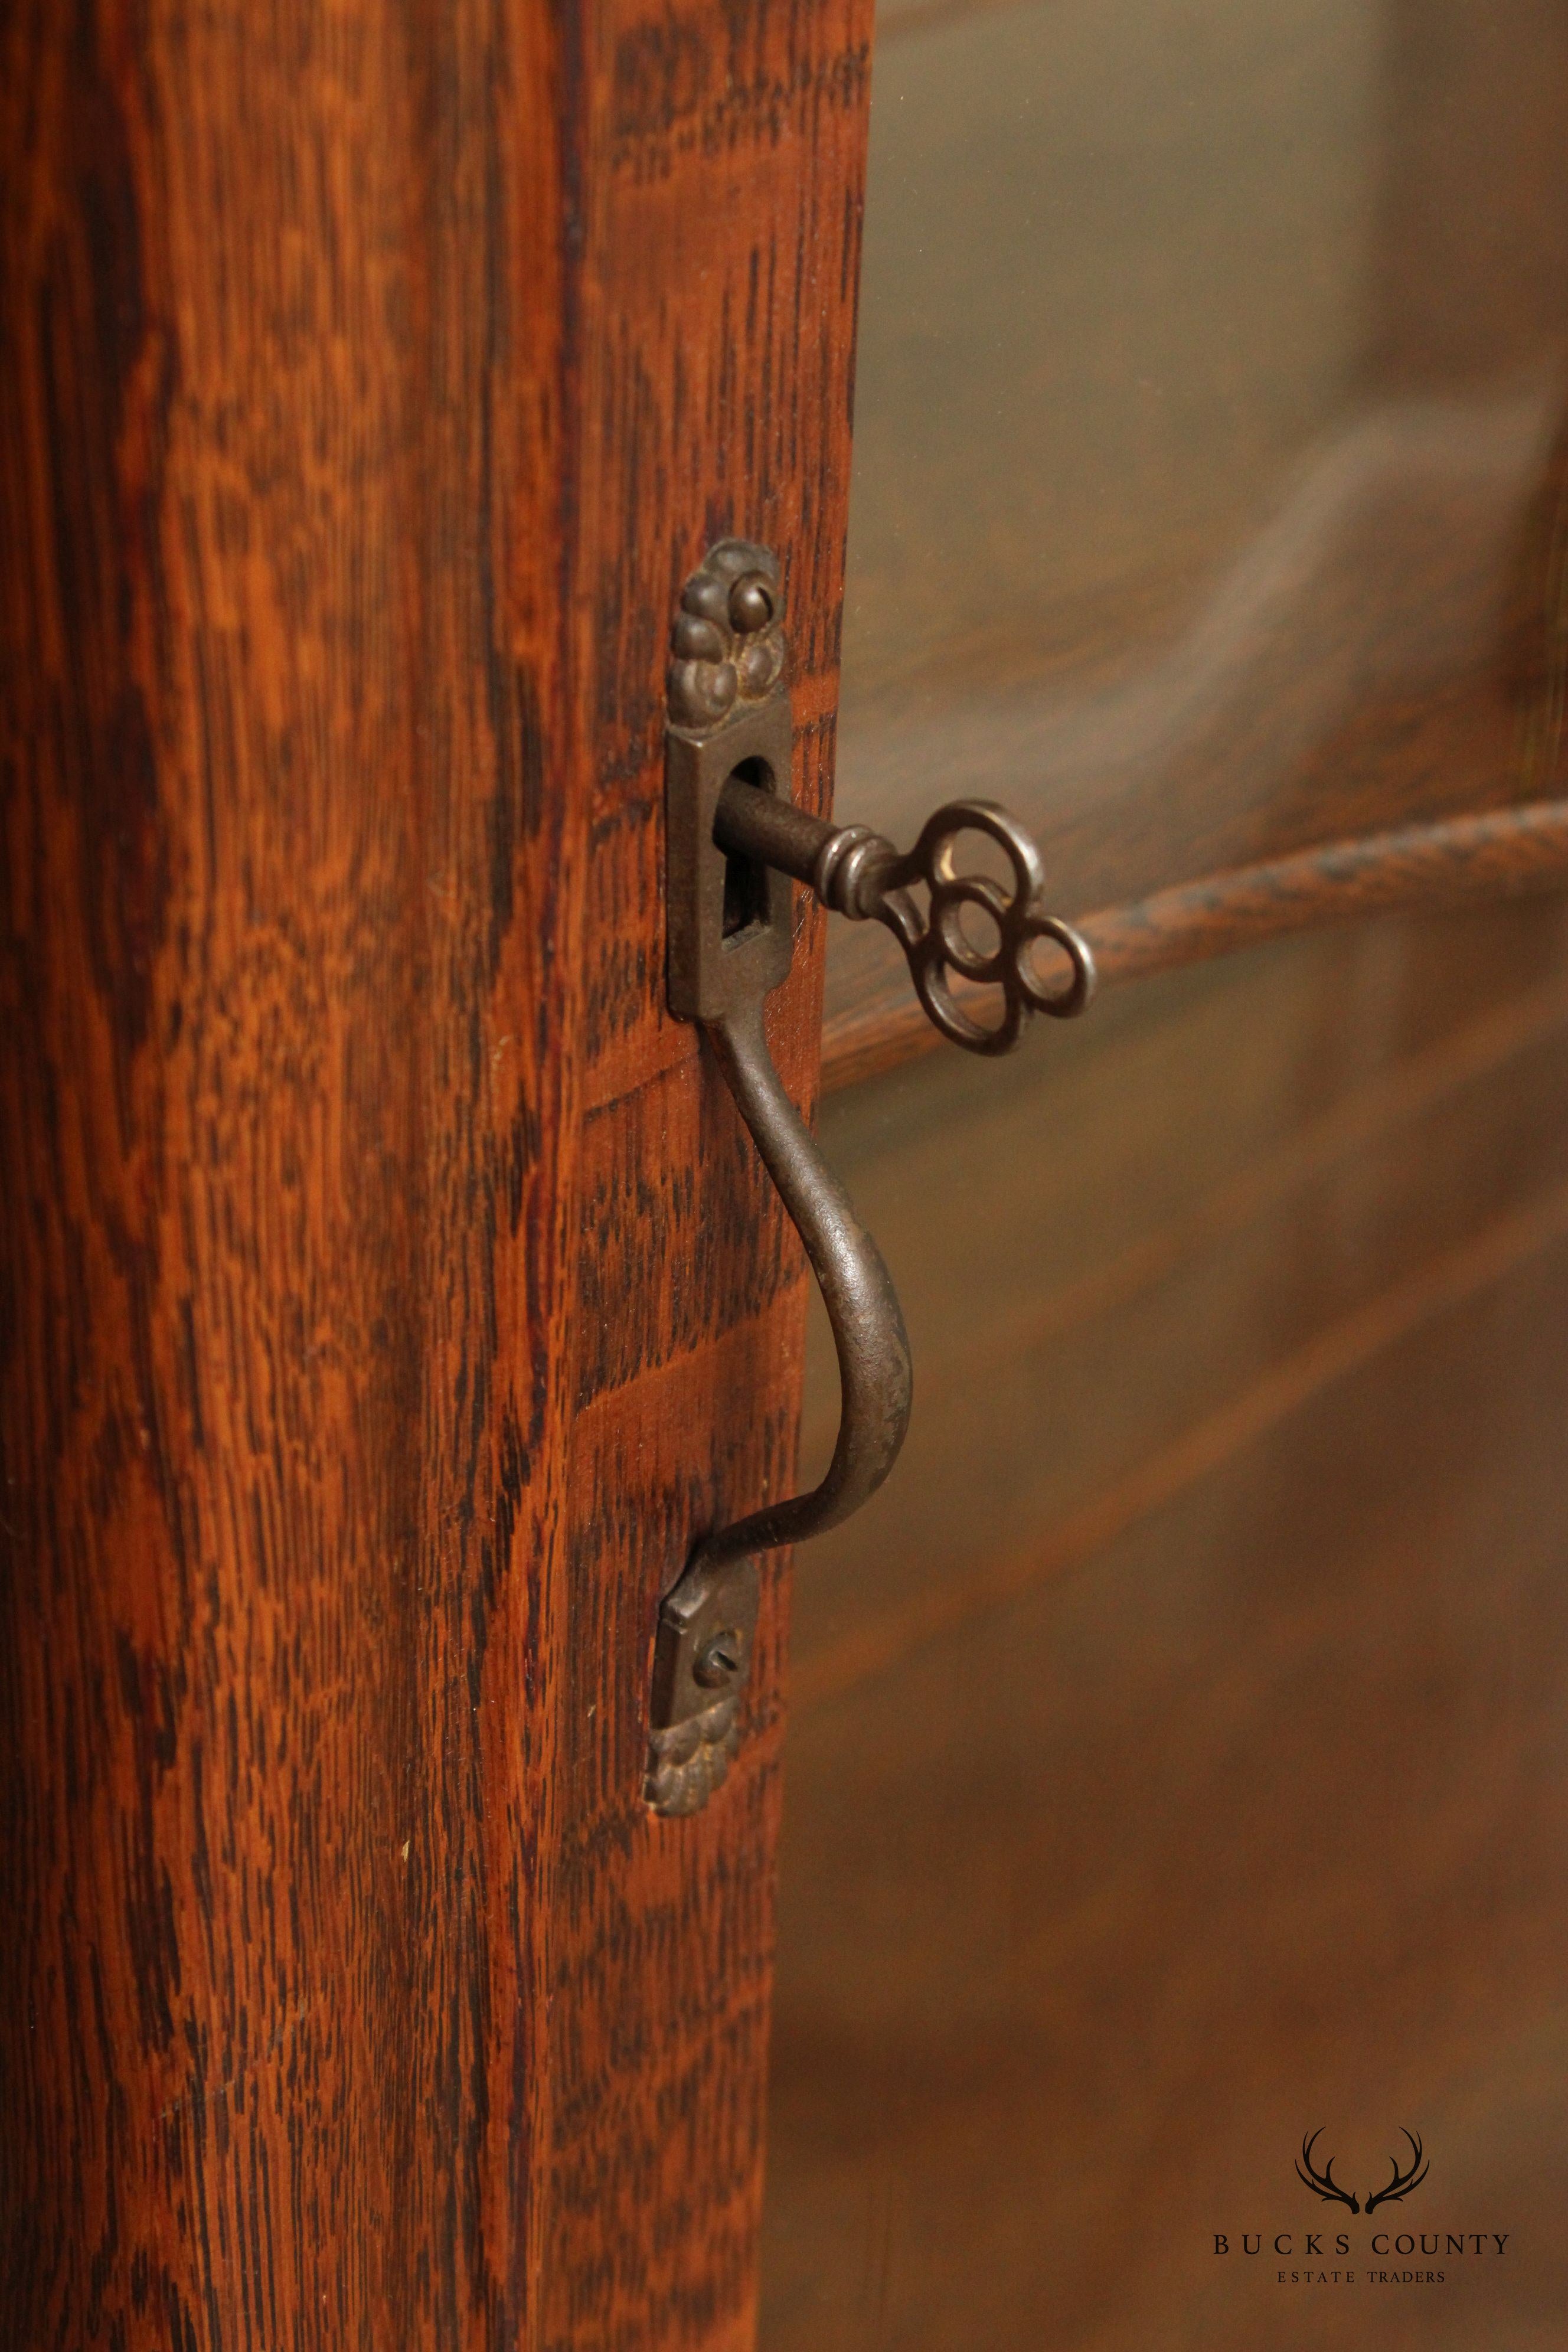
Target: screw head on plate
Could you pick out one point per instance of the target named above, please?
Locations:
(720, 1659)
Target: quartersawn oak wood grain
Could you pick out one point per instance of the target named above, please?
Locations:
(372, 379)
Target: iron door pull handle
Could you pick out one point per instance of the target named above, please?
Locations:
(734, 840)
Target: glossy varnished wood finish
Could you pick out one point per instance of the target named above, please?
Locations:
(390, 1297)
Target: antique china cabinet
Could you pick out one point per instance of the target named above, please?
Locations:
(489, 752)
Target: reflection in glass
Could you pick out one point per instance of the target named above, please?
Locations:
(1211, 363)
(1172, 1761)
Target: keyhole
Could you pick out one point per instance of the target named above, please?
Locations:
(745, 878)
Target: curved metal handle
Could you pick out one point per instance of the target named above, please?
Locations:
(733, 839)
(706, 1624)
(876, 1376)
